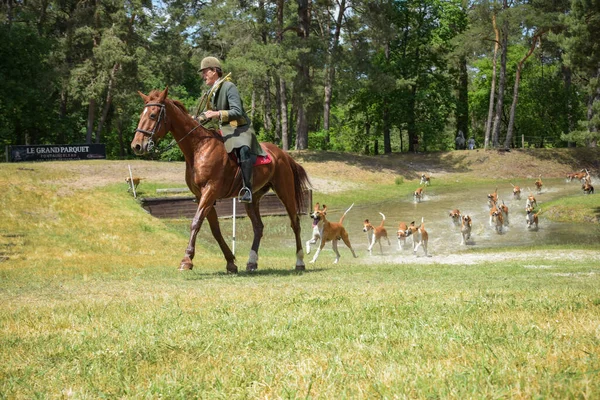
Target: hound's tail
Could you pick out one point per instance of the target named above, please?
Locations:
(349, 208)
(383, 220)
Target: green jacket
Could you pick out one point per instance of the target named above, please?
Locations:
(235, 124)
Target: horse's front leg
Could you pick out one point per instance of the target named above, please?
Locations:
(204, 206)
(215, 228)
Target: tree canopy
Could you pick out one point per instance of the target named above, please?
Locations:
(371, 76)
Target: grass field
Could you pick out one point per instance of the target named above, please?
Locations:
(93, 305)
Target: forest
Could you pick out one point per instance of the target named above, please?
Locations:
(369, 77)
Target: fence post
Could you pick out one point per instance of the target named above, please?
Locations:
(131, 182)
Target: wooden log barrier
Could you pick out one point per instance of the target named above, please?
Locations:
(185, 207)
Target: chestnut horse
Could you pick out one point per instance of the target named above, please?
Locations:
(212, 174)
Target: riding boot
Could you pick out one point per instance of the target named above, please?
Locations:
(246, 165)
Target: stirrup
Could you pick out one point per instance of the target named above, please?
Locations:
(245, 195)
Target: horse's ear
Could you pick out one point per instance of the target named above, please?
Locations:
(163, 95)
(143, 96)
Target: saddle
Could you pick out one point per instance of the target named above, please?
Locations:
(260, 160)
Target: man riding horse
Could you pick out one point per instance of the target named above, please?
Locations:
(221, 109)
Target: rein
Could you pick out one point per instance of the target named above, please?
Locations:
(163, 114)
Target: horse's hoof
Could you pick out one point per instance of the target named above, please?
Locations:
(232, 268)
(186, 266)
(300, 267)
(251, 267)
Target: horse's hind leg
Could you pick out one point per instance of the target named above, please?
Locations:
(287, 197)
(215, 228)
(253, 212)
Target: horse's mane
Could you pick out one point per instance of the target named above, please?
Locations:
(156, 93)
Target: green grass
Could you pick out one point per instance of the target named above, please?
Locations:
(580, 209)
(93, 307)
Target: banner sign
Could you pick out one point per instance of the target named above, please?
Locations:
(56, 152)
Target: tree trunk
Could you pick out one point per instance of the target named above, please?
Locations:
(107, 104)
(277, 132)
(462, 108)
(488, 125)
(387, 143)
(253, 104)
(501, 85)
(90, 120)
(593, 101)
(285, 134)
(301, 126)
(411, 125)
(513, 107)
(330, 70)
(302, 84)
(571, 121)
(267, 104)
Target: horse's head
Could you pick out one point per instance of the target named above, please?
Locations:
(153, 122)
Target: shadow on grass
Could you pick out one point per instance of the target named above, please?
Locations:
(198, 276)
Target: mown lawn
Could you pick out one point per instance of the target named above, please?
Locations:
(93, 307)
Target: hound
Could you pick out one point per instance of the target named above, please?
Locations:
(493, 214)
(401, 233)
(577, 175)
(418, 195)
(420, 236)
(425, 179)
(316, 233)
(504, 210)
(531, 201)
(375, 234)
(455, 215)
(499, 220)
(587, 188)
(465, 229)
(134, 185)
(532, 218)
(493, 198)
(331, 232)
(516, 192)
(539, 184)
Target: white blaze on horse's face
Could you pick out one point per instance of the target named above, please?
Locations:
(152, 125)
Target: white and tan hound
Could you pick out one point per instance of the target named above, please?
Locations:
(418, 195)
(492, 198)
(132, 183)
(419, 235)
(580, 176)
(331, 232)
(516, 192)
(401, 233)
(531, 201)
(425, 179)
(587, 188)
(375, 234)
(539, 184)
(532, 218)
(316, 232)
(455, 216)
(504, 210)
(465, 228)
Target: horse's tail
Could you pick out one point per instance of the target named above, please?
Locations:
(301, 184)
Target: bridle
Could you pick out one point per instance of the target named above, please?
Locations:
(162, 114)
